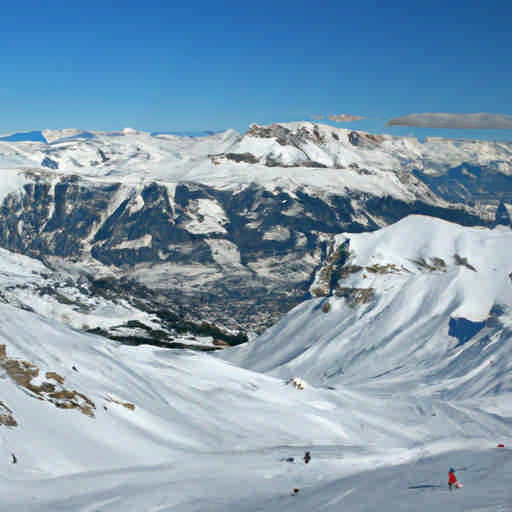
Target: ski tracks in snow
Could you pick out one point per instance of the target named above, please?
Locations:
(341, 497)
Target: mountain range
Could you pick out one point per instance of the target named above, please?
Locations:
(228, 229)
(395, 371)
(296, 318)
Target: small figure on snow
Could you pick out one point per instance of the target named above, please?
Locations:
(452, 480)
(307, 457)
(295, 491)
(14, 459)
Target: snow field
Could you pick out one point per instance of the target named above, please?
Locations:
(390, 399)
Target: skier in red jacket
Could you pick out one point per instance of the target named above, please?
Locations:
(452, 479)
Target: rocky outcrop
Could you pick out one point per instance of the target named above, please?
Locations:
(49, 163)
(238, 259)
(248, 158)
(7, 416)
(364, 140)
(51, 390)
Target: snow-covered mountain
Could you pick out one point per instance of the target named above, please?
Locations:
(229, 228)
(420, 305)
(379, 386)
(394, 369)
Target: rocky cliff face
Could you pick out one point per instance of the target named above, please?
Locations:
(240, 259)
(238, 245)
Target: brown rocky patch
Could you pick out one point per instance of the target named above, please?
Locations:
(332, 271)
(433, 265)
(6, 416)
(326, 307)
(55, 376)
(363, 139)
(118, 401)
(390, 268)
(356, 296)
(220, 343)
(461, 261)
(22, 372)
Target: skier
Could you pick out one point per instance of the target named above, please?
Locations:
(452, 479)
(307, 457)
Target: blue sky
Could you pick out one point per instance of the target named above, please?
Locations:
(215, 65)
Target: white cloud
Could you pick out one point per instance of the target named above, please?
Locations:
(455, 121)
(344, 118)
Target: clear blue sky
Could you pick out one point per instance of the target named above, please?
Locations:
(214, 65)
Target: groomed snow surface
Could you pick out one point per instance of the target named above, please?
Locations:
(390, 400)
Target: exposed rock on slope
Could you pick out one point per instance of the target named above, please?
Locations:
(227, 228)
(24, 373)
(422, 304)
(238, 259)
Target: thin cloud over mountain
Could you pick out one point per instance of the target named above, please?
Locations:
(455, 121)
(344, 118)
(317, 118)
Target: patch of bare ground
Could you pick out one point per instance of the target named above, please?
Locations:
(461, 261)
(332, 271)
(6, 416)
(390, 268)
(118, 401)
(432, 265)
(55, 376)
(23, 372)
(220, 343)
(356, 296)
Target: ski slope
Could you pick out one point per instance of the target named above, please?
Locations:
(207, 435)
(390, 400)
(258, 482)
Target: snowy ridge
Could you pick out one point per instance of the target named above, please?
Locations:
(247, 214)
(369, 162)
(423, 302)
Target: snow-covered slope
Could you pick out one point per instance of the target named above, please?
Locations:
(397, 369)
(172, 157)
(101, 426)
(383, 396)
(230, 228)
(221, 159)
(422, 304)
(67, 296)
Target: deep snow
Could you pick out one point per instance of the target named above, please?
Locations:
(389, 403)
